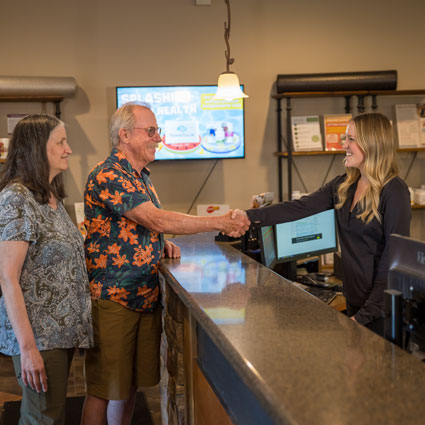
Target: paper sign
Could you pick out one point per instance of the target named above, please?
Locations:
(211, 209)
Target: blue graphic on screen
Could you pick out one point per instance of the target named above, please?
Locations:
(194, 126)
(309, 236)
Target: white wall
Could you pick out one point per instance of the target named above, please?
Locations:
(108, 43)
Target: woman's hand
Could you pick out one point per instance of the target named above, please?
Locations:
(33, 373)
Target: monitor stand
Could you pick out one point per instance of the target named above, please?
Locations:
(288, 270)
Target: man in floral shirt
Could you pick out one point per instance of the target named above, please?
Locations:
(125, 226)
(121, 252)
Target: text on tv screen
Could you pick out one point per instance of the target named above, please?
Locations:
(194, 126)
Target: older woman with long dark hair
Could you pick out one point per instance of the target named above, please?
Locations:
(45, 306)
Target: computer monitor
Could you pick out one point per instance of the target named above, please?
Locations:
(267, 244)
(307, 237)
(405, 296)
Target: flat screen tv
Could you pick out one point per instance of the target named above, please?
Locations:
(194, 126)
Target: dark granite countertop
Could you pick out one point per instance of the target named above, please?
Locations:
(304, 361)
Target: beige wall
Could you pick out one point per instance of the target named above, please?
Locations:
(108, 43)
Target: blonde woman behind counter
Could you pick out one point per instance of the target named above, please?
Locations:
(370, 203)
(45, 307)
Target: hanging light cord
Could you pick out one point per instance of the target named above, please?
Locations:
(203, 184)
(199, 191)
(227, 24)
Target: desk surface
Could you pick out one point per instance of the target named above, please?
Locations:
(305, 362)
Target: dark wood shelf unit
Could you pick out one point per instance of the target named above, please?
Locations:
(37, 98)
(28, 98)
(339, 152)
(361, 94)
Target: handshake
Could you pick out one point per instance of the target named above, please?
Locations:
(235, 223)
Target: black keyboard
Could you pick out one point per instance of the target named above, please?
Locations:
(325, 295)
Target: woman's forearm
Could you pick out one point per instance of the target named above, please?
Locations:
(12, 257)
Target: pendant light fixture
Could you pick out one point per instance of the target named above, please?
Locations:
(228, 82)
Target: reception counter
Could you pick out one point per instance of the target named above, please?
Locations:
(255, 349)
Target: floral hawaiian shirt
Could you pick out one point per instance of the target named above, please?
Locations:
(122, 256)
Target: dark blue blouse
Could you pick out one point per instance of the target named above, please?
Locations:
(364, 247)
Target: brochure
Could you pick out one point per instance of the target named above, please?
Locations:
(334, 128)
(12, 120)
(79, 217)
(408, 121)
(421, 116)
(306, 135)
(4, 146)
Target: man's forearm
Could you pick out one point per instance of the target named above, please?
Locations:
(184, 224)
(162, 221)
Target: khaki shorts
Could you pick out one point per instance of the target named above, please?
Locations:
(125, 352)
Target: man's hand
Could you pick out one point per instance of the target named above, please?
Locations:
(171, 250)
(33, 373)
(236, 223)
(240, 213)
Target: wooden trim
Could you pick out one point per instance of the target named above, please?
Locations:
(310, 153)
(340, 152)
(26, 98)
(208, 409)
(412, 149)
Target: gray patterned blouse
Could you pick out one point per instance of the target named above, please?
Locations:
(53, 280)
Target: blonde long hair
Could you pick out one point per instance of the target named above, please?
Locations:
(374, 136)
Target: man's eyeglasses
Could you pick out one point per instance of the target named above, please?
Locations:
(150, 130)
